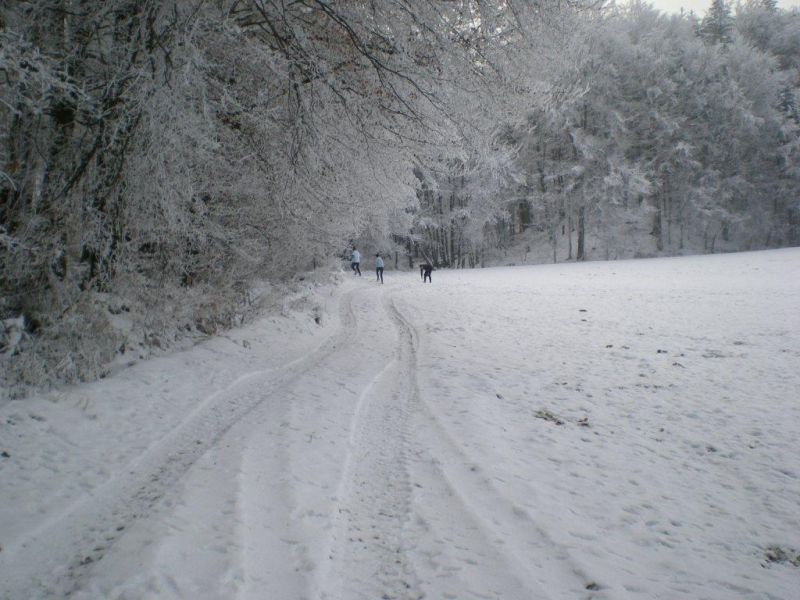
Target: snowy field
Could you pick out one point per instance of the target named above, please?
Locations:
(624, 430)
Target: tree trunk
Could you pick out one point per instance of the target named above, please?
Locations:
(668, 210)
(569, 232)
(581, 234)
(453, 257)
(656, 232)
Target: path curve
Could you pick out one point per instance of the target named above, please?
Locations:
(331, 477)
(52, 560)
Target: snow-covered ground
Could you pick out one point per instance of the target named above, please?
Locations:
(600, 430)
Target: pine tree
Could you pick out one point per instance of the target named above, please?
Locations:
(717, 25)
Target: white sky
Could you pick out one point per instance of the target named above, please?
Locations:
(700, 6)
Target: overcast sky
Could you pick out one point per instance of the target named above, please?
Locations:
(700, 6)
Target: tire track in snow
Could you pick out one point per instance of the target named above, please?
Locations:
(367, 551)
(504, 537)
(451, 545)
(51, 561)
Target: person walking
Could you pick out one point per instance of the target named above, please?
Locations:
(355, 261)
(425, 270)
(379, 267)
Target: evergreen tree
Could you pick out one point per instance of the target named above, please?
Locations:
(717, 25)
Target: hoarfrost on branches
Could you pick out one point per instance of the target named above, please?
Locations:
(158, 159)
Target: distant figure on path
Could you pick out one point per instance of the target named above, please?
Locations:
(355, 261)
(379, 267)
(425, 272)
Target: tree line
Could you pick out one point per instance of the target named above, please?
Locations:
(677, 134)
(160, 158)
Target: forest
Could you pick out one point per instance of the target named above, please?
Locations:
(162, 159)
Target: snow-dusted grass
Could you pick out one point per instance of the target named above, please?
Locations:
(598, 430)
(672, 467)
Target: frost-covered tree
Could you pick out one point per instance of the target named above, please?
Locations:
(159, 157)
(717, 26)
(673, 146)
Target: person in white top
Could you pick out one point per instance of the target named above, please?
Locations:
(379, 267)
(355, 261)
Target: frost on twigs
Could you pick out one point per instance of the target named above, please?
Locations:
(193, 150)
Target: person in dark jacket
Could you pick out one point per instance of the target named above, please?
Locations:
(425, 270)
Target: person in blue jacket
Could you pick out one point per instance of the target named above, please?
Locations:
(379, 267)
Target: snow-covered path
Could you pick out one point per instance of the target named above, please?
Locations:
(600, 430)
